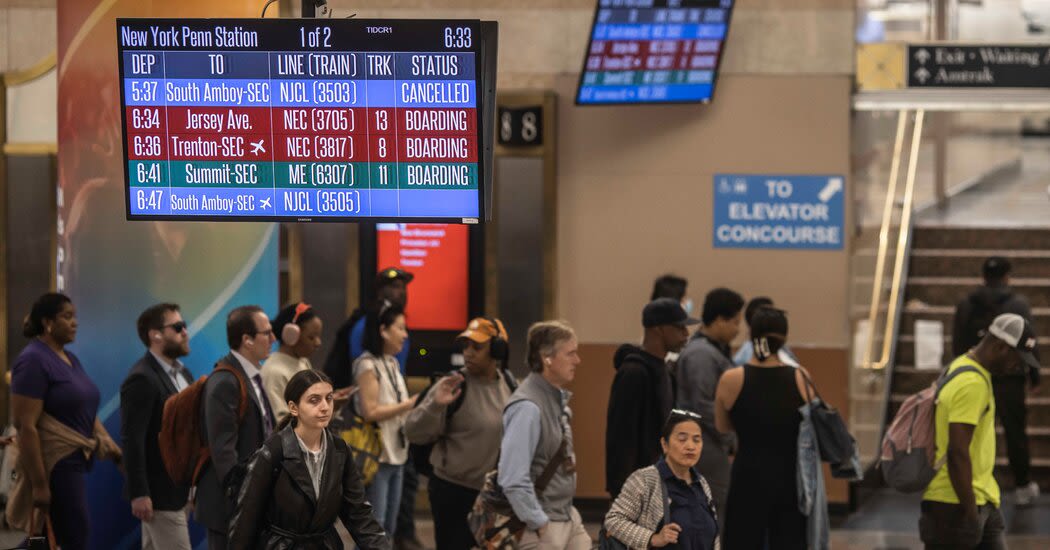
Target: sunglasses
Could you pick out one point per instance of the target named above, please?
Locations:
(177, 326)
(683, 412)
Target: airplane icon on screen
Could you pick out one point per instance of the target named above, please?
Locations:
(257, 147)
(265, 203)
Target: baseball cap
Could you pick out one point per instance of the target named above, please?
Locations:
(483, 329)
(666, 311)
(392, 274)
(1016, 332)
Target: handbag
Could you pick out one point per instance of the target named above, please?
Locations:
(491, 518)
(364, 438)
(48, 540)
(608, 542)
(833, 438)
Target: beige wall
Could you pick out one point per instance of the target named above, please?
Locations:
(27, 32)
(635, 194)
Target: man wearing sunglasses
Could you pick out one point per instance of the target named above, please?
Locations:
(155, 499)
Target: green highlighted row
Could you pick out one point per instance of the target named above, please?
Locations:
(303, 175)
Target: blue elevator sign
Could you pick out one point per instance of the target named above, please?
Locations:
(779, 211)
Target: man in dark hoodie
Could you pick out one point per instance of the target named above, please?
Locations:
(972, 317)
(642, 394)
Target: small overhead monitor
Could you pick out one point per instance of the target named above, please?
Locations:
(654, 51)
(307, 119)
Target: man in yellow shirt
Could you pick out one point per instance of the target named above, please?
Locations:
(960, 508)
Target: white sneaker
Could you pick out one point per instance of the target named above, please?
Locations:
(1026, 495)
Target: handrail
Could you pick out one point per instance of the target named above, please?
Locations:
(904, 231)
(884, 237)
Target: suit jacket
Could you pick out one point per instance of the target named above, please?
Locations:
(231, 441)
(142, 397)
(277, 508)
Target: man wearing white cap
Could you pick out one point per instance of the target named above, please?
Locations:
(960, 508)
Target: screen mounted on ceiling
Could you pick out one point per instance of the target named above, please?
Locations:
(306, 119)
(654, 51)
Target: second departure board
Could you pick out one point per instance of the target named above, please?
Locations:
(654, 51)
(305, 119)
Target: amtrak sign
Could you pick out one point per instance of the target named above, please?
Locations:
(984, 66)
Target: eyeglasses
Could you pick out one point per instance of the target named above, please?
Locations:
(177, 326)
(266, 333)
(683, 412)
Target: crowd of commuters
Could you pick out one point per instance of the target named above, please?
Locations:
(277, 474)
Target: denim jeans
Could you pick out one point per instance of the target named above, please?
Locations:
(385, 495)
(812, 498)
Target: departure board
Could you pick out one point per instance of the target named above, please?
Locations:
(654, 51)
(306, 119)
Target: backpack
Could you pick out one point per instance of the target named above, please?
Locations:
(181, 439)
(420, 454)
(909, 448)
(234, 480)
(338, 364)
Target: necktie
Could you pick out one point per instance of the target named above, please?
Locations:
(177, 375)
(267, 412)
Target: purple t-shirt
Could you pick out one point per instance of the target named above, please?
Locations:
(68, 393)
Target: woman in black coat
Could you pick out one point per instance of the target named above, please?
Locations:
(278, 507)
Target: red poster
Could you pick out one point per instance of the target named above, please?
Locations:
(438, 255)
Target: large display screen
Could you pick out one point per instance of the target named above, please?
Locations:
(301, 120)
(654, 51)
(438, 257)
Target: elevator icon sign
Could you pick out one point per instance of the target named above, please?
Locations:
(779, 211)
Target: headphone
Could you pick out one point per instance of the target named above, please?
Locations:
(499, 348)
(291, 332)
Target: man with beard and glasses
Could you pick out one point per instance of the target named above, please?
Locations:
(155, 499)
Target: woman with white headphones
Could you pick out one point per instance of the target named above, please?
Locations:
(298, 331)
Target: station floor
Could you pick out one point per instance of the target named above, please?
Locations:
(886, 520)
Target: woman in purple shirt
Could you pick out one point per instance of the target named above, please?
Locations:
(48, 379)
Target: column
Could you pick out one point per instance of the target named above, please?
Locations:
(320, 133)
(147, 125)
(220, 143)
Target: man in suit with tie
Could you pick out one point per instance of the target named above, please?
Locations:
(155, 499)
(230, 438)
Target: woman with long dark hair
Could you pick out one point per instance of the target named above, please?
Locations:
(760, 401)
(53, 406)
(303, 479)
(383, 398)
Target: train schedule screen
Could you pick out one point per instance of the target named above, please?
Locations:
(270, 119)
(654, 51)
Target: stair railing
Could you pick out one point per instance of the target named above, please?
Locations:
(894, 302)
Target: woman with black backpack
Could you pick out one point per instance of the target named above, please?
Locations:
(301, 480)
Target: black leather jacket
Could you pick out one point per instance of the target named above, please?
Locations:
(277, 509)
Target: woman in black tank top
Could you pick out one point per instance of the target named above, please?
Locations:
(760, 402)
